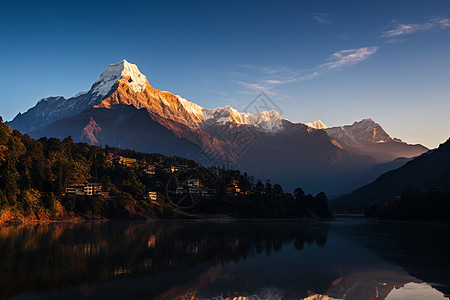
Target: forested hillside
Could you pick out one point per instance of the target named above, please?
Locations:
(430, 171)
(50, 179)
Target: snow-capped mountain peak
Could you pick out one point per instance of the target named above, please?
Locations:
(114, 72)
(267, 121)
(48, 99)
(364, 131)
(168, 105)
(191, 107)
(80, 94)
(121, 108)
(318, 124)
(221, 115)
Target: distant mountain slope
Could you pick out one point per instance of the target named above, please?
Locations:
(298, 155)
(49, 110)
(121, 126)
(375, 172)
(123, 83)
(122, 109)
(430, 170)
(294, 157)
(367, 137)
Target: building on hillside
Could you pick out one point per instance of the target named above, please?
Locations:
(233, 188)
(89, 189)
(103, 194)
(193, 183)
(192, 186)
(175, 168)
(207, 193)
(110, 157)
(96, 187)
(125, 161)
(153, 196)
(194, 190)
(77, 189)
(150, 170)
(179, 168)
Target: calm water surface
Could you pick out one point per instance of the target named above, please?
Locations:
(342, 259)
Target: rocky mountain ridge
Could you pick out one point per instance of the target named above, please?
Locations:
(262, 143)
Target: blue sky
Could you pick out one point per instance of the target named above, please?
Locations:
(337, 61)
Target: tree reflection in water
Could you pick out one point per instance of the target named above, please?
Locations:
(342, 259)
(54, 256)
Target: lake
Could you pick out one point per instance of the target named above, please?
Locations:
(348, 258)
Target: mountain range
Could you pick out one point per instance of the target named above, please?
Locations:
(122, 109)
(431, 170)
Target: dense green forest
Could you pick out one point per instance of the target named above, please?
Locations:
(35, 175)
(413, 204)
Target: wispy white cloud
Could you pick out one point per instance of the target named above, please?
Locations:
(348, 57)
(404, 29)
(443, 23)
(274, 76)
(321, 18)
(256, 88)
(309, 76)
(253, 86)
(399, 31)
(282, 75)
(272, 81)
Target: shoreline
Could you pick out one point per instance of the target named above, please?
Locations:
(212, 218)
(209, 218)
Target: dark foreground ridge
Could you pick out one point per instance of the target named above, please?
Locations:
(50, 179)
(417, 190)
(414, 205)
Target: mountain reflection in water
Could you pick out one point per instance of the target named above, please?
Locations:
(343, 259)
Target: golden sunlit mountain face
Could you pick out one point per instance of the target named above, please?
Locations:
(163, 104)
(225, 150)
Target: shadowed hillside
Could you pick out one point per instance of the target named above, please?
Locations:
(428, 171)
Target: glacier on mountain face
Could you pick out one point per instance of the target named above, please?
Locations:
(116, 71)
